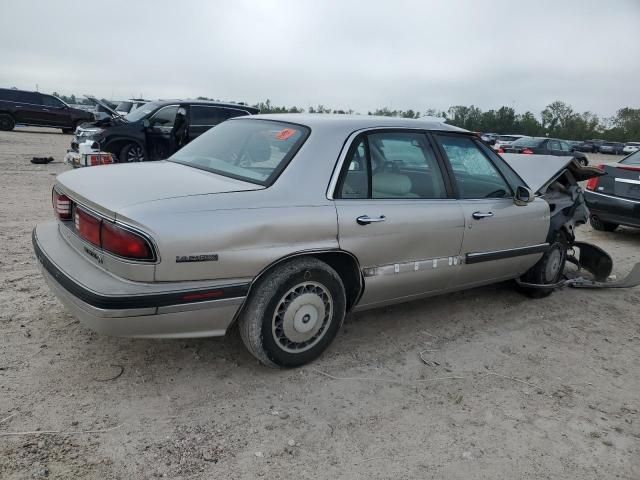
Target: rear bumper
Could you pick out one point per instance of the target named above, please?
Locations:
(115, 306)
(612, 209)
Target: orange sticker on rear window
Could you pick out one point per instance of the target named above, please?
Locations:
(285, 133)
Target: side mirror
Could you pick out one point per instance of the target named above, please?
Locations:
(523, 196)
(146, 123)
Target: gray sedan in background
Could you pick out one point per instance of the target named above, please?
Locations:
(284, 223)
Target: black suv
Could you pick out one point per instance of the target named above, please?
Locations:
(155, 130)
(42, 110)
(545, 146)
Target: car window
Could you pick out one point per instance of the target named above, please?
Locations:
(564, 147)
(392, 165)
(202, 115)
(29, 97)
(251, 150)
(165, 117)
(554, 145)
(475, 175)
(355, 182)
(633, 159)
(49, 101)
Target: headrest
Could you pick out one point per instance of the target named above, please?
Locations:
(391, 183)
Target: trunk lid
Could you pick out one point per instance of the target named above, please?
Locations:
(108, 189)
(626, 180)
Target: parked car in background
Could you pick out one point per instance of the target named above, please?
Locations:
(38, 109)
(573, 144)
(614, 199)
(614, 148)
(157, 129)
(490, 138)
(283, 224)
(590, 146)
(505, 140)
(127, 106)
(631, 147)
(544, 146)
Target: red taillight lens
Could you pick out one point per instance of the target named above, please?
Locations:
(527, 151)
(88, 226)
(61, 205)
(593, 183)
(124, 243)
(627, 167)
(500, 150)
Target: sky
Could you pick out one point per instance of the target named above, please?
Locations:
(346, 54)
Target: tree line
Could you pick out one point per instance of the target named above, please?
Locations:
(558, 119)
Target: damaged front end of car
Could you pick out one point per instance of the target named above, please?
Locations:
(557, 181)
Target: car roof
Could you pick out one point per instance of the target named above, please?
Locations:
(206, 102)
(355, 122)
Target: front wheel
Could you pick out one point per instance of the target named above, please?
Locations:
(293, 313)
(548, 270)
(6, 122)
(132, 152)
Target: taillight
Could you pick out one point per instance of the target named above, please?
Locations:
(593, 182)
(124, 243)
(501, 150)
(527, 151)
(61, 205)
(88, 226)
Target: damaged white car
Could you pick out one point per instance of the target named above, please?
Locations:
(285, 223)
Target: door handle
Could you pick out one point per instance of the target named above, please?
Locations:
(366, 219)
(480, 215)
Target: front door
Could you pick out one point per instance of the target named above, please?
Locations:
(160, 141)
(501, 239)
(54, 112)
(396, 214)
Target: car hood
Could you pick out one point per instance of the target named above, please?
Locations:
(110, 110)
(110, 188)
(538, 171)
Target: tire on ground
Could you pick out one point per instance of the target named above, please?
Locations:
(6, 122)
(601, 225)
(263, 332)
(548, 270)
(124, 152)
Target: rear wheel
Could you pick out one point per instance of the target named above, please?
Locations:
(131, 152)
(6, 122)
(293, 313)
(548, 270)
(600, 225)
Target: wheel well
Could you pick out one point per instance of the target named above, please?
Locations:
(116, 146)
(347, 267)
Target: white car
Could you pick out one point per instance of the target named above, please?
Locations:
(631, 147)
(505, 140)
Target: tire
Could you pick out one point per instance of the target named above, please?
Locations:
(6, 122)
(293, 313)
(131, 152)
(601, 225)
(548, 270)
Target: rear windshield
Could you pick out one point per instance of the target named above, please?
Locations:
(528, 142)
(507, 138)
(633, 159)
(255, 151)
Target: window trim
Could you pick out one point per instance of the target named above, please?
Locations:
(154, 113)
(479, 146)
(339, 171)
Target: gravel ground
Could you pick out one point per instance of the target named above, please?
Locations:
(512, 388)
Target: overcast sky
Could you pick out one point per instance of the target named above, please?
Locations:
(343, 54)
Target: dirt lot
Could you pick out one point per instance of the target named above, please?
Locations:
(515, 388)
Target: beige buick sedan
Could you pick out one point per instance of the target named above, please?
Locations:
(285, 223)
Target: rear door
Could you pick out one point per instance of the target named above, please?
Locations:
(29, 108)
(565, 149)
(203, 117)
(554, 147)
(396, 214)
(501, 240)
